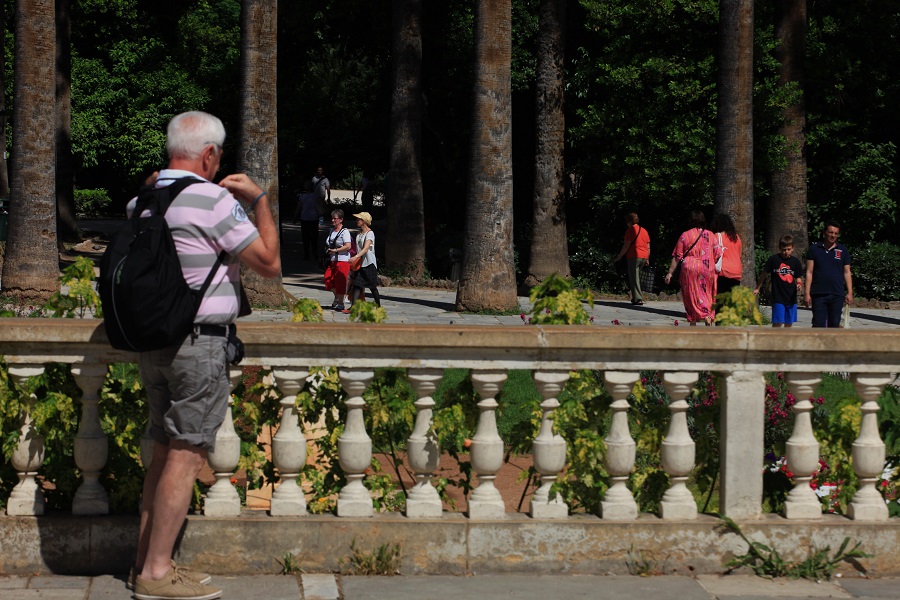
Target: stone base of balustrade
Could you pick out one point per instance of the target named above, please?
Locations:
(450, 545)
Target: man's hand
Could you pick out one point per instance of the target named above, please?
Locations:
(242, 187)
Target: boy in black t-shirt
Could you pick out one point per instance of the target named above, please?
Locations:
(787, 280)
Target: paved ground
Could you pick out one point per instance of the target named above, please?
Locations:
(517, 587)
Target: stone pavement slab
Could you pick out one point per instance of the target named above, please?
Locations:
(750, 586)
(522, 587)
(319, 587)
(882, 587)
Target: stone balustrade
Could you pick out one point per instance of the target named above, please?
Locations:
(740, 355)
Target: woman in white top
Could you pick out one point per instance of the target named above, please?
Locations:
(363, 265)
(337, 249)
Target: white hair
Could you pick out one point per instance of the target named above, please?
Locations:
(190, 132)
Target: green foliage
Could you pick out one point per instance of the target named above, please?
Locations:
(308, 310)
(766, 561)
(367, 312)
(738, 308)
(91, 203)
(384, 560)
(875, 268)
(290, 564)
(76, 297)
(555, 301)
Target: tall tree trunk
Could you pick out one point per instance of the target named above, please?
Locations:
(487, 279)
(787, 206)
(67, 228)
(258, 151)
(734, 125)
(405, 240)
(31, 265)
(4, 174)
(549, 249)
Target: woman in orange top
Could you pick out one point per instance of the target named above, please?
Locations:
(636, 250)
(728, 239)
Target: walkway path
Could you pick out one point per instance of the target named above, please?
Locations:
(490, 587)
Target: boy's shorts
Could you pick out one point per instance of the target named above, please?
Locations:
(784, 313)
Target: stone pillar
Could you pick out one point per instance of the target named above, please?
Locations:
(91, 445)
(485, 501)
(26, 498)
(289, 446)
(618, 504)
(549, 448)
(678, 449)
(742, 429)
(355, 447)
(868, 451)
(422, 448)
(222, 499)
(802, 449)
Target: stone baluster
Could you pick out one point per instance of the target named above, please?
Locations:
(868, 451)
(678, 449)
(289, 446)
(487, 448)
(26, 498)
(91, 445)
(355, 447)
(618, 504)
(802, 449)
(422, 448)
(549, 448)
(222, 500)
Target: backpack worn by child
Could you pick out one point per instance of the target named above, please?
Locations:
(147, 304)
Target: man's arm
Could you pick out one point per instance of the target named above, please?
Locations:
(848, 281)
(807, 298)
(263, 255)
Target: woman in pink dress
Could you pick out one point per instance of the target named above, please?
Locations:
(697, 250)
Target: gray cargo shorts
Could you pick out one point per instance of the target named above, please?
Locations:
(187, 390)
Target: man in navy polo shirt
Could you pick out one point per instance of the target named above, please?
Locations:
(828, 279)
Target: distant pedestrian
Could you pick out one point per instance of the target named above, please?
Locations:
(696, 253)
(636, 250)
(309, 220)
(728, 266)
(322, 189)
(829, 282)
(787, 279)
(337, 250)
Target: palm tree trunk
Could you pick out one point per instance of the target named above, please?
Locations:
(549, 249)
(787, 206)
(405, 240)
(734, 125)
(31, 264)
(487, 278)
(258, 151)
(4, 174)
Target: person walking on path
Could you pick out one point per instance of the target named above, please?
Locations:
(787, 279)
(322, 189)
(829, 282)
(636, 250)
(729, 266)
(187, 383)
(337, 249)
(696, 253)
(309, 221)
(364, 266)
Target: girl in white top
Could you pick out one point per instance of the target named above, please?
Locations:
(364, 265)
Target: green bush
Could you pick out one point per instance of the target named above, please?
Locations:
(875, 268)
(91, 203)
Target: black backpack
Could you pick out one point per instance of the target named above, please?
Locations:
(147, 304)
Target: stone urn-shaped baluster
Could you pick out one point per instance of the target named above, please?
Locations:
(91, 445)
(802, 450)
(355, 447)
(678, 450)
(868, 451)
(618, 504)
(423, 452)
(486, 450)
(549, 448)
(222, 500)
(289, 446)
(26, 498)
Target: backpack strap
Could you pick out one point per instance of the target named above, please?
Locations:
(219, 260)
(161, 201)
